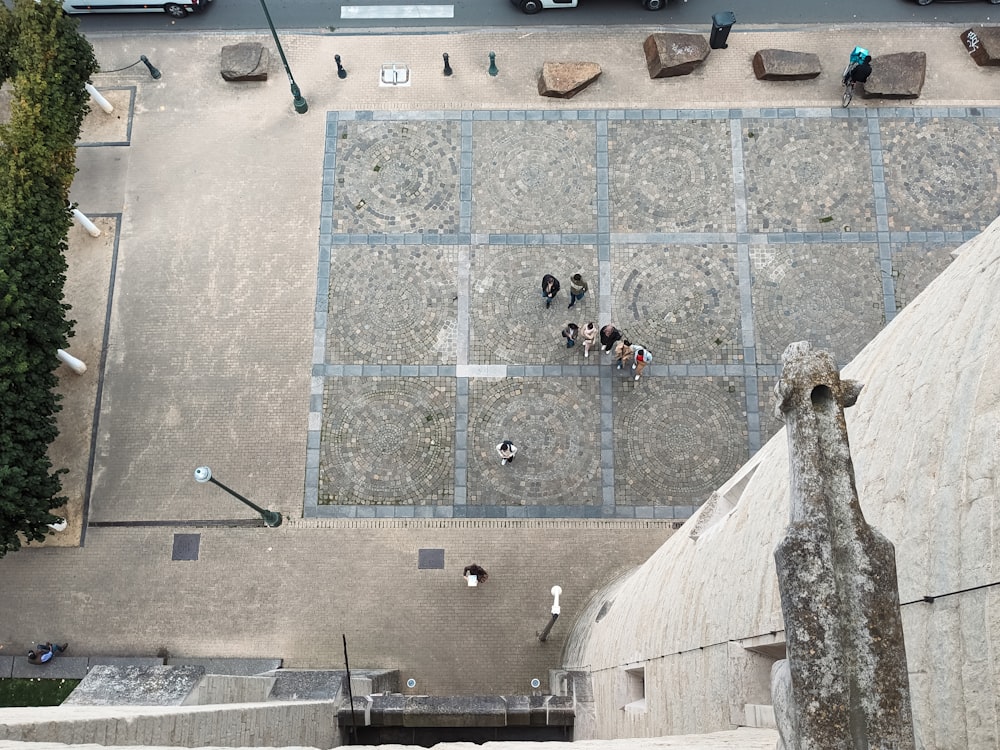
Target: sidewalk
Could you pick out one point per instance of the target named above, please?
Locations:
(221, 351)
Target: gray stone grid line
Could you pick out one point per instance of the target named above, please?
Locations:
(756, 373)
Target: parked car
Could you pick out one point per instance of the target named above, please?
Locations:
(175, 8)
(533, 6)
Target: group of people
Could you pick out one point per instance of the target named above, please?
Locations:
(44, 652)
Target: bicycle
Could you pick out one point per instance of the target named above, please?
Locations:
(848, 84)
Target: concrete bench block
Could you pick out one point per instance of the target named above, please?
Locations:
(674, 54)
(983, 44)
(234, 666)
(564, 80)
(897, 76)
(246, 61)
(455, 711)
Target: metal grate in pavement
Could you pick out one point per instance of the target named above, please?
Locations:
(430, 559)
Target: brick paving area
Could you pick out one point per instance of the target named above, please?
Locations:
(712, 237)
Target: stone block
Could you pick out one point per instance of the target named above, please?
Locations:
(386, 710)
(136, 685)
(246, 61)
(308, 684)
(983, 44)
(564, 80)
(552, 710)
(674, 54)
(59, 668)
(785, 65)
(455, 711)
(518, 710)
(897, 76)
(238, 667)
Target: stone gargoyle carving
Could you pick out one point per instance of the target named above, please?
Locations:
(844, 683)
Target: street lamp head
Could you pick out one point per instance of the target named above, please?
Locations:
(202, 474)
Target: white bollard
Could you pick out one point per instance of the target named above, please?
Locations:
(59, 525)
(72, 362)
(86, 223)
(101, 101)
(555, 591)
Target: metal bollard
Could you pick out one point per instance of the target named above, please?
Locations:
(493, 70)
(341, 73)
(150, 67)
(447, 66)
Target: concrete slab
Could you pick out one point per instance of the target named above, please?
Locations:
(229, 665)
(61, 667)
(135, 685)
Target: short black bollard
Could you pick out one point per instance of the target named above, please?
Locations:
(493, 64)
(447, 67)
(341, 73)
(150, 67)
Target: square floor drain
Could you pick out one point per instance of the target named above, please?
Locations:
(186, 546)
(430, 559)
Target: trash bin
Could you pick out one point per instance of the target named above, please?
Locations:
(721, 24)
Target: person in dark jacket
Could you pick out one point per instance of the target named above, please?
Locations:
(550, 288)
(609, 335)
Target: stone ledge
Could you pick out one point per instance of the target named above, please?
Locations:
(785, 65)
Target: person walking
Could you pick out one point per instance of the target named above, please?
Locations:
(623, 352)
(550, 288)
(475, 574)
(589, 338)
(609, 335)
(641, 356)
(570, 332)
(577, 288)
(507, 451)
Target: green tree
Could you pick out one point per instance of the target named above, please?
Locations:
(46, 63)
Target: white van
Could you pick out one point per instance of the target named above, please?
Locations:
(176, 8)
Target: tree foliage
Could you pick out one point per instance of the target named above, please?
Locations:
(45, 62)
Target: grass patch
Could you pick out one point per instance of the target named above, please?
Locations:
(34, 691)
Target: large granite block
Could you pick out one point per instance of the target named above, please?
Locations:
(897, 76)
(785, 65)
(111, 685)
(308, 684)
(983, 44)
(238, 667)
(246, 61)
(564, 80)
(674, 54)
(59, 668)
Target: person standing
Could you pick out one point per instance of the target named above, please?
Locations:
(577, 288)
(477, 571)
(641, 356)
(589, 338)
(550, 288)
(570, 332)
(623, 352)
(609, 335)
(507, 451)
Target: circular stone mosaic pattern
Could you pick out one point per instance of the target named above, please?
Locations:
(678, 440)
(680, 301)
(941, 174)
(387, 441)
(808, 175)
(555, 425)
(816, 294)
(397, 177)
(510, 323)
(671, 176)
(534, 177)
(391, 305)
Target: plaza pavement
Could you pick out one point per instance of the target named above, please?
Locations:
(338, 312)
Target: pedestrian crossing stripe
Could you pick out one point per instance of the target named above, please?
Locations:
(397, 11)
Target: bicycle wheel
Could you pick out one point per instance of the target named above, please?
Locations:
(848, 94)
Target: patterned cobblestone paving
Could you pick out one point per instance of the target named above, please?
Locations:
(671, 176)
(714, 238)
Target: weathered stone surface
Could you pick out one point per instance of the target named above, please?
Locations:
(455, 711)
(983, 44)
(60, 667)
(846, 674)
(564, 80)
(785, 65)
(896, 76)
(674, 54)
(228, 665)
(109, 685)
(246, 61)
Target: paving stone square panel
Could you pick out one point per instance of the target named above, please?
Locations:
(680, 301)
(941, 174)
(509, 321)
(555, 424)
(397, 177)
(678, 439)
(914, 266)
(671, 176)
(534, 176)
(387, 441)
(392, 304)
(809, 175)
(829, 295)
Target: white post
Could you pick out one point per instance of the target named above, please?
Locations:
(59, 525)
(556, 591)
(86, 223)
(101, 101)
(72, 362)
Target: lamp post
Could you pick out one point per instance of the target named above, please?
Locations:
(204, 474)
(298, 101)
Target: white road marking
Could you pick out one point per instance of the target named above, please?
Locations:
(397, 11)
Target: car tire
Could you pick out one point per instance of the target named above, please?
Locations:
(994, 2)
(530, 6)
(655, 4)
(924, 2)
(173, 9)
